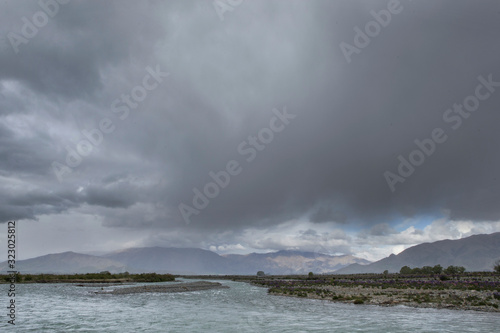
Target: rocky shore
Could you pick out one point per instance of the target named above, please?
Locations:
(479, 291)
(167, 288)
(449, 299)
(101, 285)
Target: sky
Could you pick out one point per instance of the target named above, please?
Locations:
(237, 126)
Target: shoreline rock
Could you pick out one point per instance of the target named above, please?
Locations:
(439, 299)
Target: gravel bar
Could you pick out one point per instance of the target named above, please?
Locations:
(169, 288)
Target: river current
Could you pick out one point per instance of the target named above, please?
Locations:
(242, 308)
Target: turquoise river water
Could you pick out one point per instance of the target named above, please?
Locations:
(242, 308)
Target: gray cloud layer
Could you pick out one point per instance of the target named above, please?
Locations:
(225, 77)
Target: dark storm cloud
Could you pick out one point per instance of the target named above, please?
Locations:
(325, 214)
(122, 195)
(25, 203)
(225, 77)
(382, 229)
(30, 205)
(65, 57)
(354, 120)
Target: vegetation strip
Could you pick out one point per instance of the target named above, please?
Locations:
(102, 277)
(465, 291)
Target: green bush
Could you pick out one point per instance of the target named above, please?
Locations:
(454, 270)
(496, 268)
(437, 269)
(405, 270)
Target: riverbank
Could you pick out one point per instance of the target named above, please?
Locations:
(94, 278)
(449, 299)
(167, 288)
(470, 292)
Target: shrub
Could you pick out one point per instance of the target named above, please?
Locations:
(427, 270)
(405, 270)
(416, 270)
(453, 270)
(496, 268)
(437, 269)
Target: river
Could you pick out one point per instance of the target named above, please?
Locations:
(242, 308)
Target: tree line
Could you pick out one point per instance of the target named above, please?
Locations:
(437, 269)
(102, 276)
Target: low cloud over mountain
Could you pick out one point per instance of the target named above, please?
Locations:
(185, 261)
(475, 253)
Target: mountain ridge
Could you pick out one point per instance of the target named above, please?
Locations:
(66, 262)
(192, 261)
(475, 253)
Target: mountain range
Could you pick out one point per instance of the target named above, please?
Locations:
(475, 253)
(185, 261)
(66, 262)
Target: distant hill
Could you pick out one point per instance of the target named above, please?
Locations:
(66, 262)
(171, 260)
(185, 261)
(475, 253)
(291, 262)
(197, 261)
